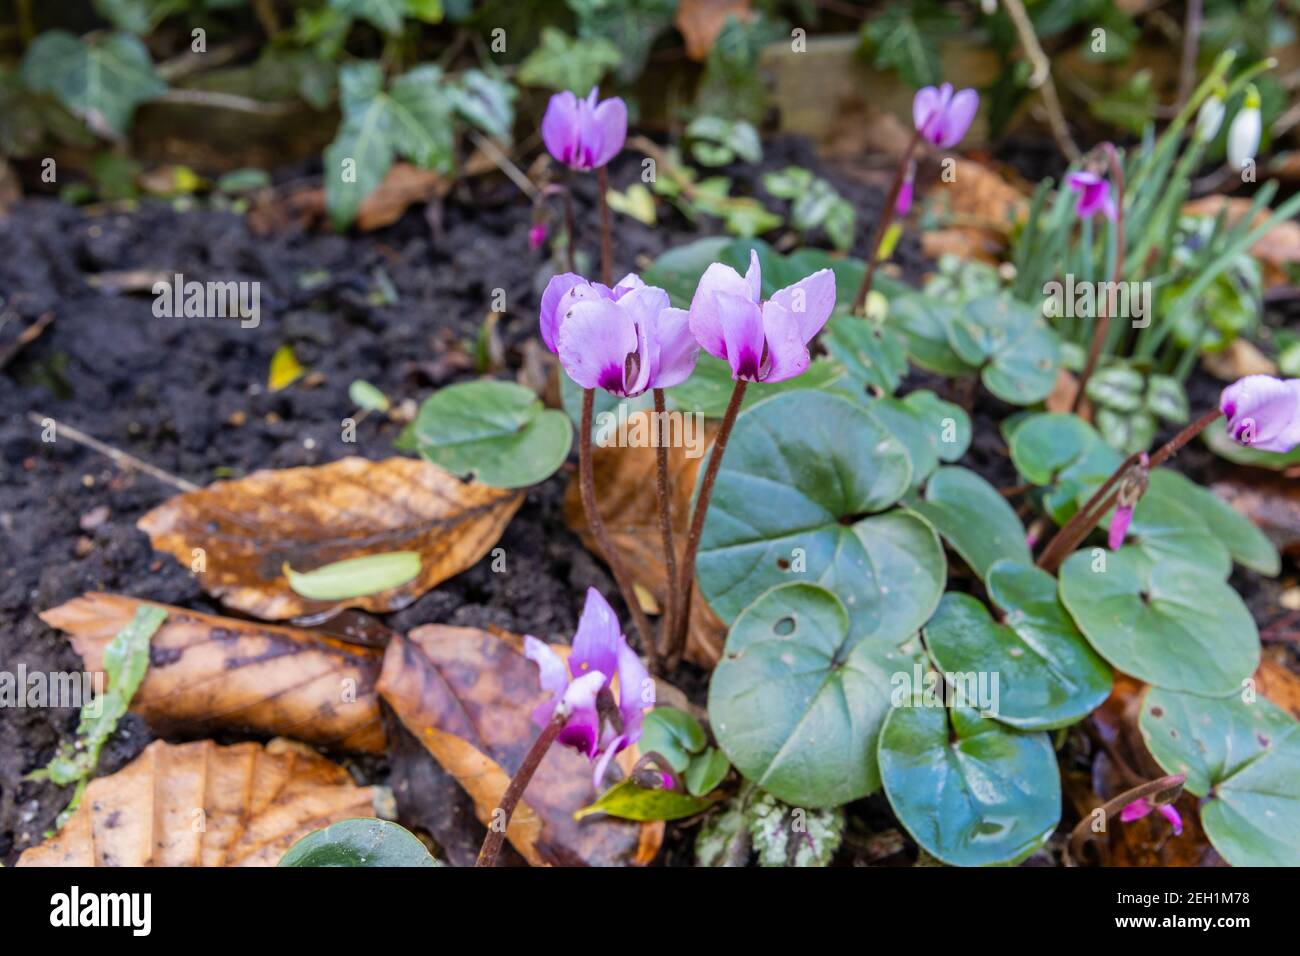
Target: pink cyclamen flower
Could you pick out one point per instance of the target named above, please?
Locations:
(1119, 526)
(1142, 806)
(1263, 412)
(761, 341)
(943, 117)
(903, 204)
(596, 726)
(584, 134)
(625, 340)
(1094, 195)
(536, 236)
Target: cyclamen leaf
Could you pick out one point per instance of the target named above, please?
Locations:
(971, 516)
(362, 841)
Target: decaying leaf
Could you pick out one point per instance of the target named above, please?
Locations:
(404, 185)
(625, 483)
(978, 209)
(200, 804)
(468, 696)
(208, 673)
(238, 535)
(700, 22)
(1279, 685)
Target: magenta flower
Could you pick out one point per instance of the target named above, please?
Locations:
(942, 117)
(584, 134)
(1142, 806)
(567, 289)
(1263, 412)
(536, 236)
(903, 204)
(762, 341)
(1094, 195)
(596, 725)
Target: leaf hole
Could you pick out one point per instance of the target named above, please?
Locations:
(784, 627)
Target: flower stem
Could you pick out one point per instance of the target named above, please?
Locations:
(571, 252)
(886, 217)
(665, 516)
(587, 485)
(496, 835)
(1102, 331)
(686, 583)
(606, 241)
(1164, 790)
(1087, 518)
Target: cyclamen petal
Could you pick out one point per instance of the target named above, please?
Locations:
(584, 134)
(942, 117)
(1094, 195)
(1119, 526)
(553, 673)
(1142, 806)
(787, 353)
(581, 729)
(744, 343)
(677, 351)
(636, 692)
(552, 304)
(1263, 412)
(809, 302)
(1175, 819)
(594, 341)
(598, 638)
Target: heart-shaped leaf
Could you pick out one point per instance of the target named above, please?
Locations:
(1166, 528)
(499, 432)
(1117, 387)
(1048, 676)
(1126, 432)
(796, 703)
(972, 517)
(1245, 757)
(979, 795)
(361, 841)
(706, 771)
(912, 431)
(102, 80)
(1009, 342)
(1173, 625)
(875, 356)
(924, 323)
(949, 423)
(1248, 545)
(799, 495)
(1063, 451)
(1167, 399)
(673, 734)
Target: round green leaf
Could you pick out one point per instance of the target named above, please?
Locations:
(989, 795)
(924, 324)
(1173, 625)
(355, 577)
(949, 423)
(706, 771)
(972, 517)
(1248, 545)
(627, 801)
(1063, 451)
(796, 703)
(673, 734)
(363, 841)
(797, 497)
(912, 431)
(1165, 528)
(875, 356)
(1117, 387)
(498, 432)
(1048, 676)
(1126, 432)
(708, 390)
(1009, 342)
(1245, 757)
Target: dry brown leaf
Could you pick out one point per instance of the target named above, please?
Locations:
(700, 22)
(977, 212)
(625, 495)
(1280, 686)
(404, 186)
(310, 517)
(1277, 249)
(468, 696)
(1063, 392)
(200, 804)
(1239, 359)
(207, 673)
(1271, 502)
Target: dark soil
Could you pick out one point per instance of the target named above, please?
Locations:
(189, 396)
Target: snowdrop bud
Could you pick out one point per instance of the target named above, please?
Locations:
(1243, 135)
(1210, 118)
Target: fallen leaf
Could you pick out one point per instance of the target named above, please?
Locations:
(404, 186)
(1063, 392)
(1239, 359)
(200, 804)
(285, 369)
(238, 535)
(1279, 685)
(1271, 502)
(625, 495)
(208, 673)
(468, 696)
(1278, 249)
(977, 211)
(700, 22)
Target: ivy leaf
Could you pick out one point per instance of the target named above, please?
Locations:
(562, 62)
(904, 38)
(102, 81)
(487, 101)
(387, 15)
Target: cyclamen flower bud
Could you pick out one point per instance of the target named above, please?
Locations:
(1244, 133)
(903, 205)
(1130, 492)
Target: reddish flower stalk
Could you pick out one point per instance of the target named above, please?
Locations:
(882, 225)
(663, 493)
(1154, 793)
(606, 239)
(1103, 499)
(686, 583)
(496, 835)
(1102, 331)
(587, 485)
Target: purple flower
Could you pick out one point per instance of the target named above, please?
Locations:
(1142, 806)
(1263, 412)
(584, 134)
(903, 204)
(567, 289)
(942, 117)
(1094, 195)
(762, 341)
(536, 236)
(625, 340)
(1119, 526)
(596, 725)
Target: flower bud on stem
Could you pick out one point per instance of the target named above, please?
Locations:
(1102, 331)
(1161, 791)
(886, 217)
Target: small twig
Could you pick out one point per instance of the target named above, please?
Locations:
(226, 101)
(496, 835)
(1041, 78)
(191, 62)
(120, 458)
(25, 338)
(1191, 44)
(504, 163)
